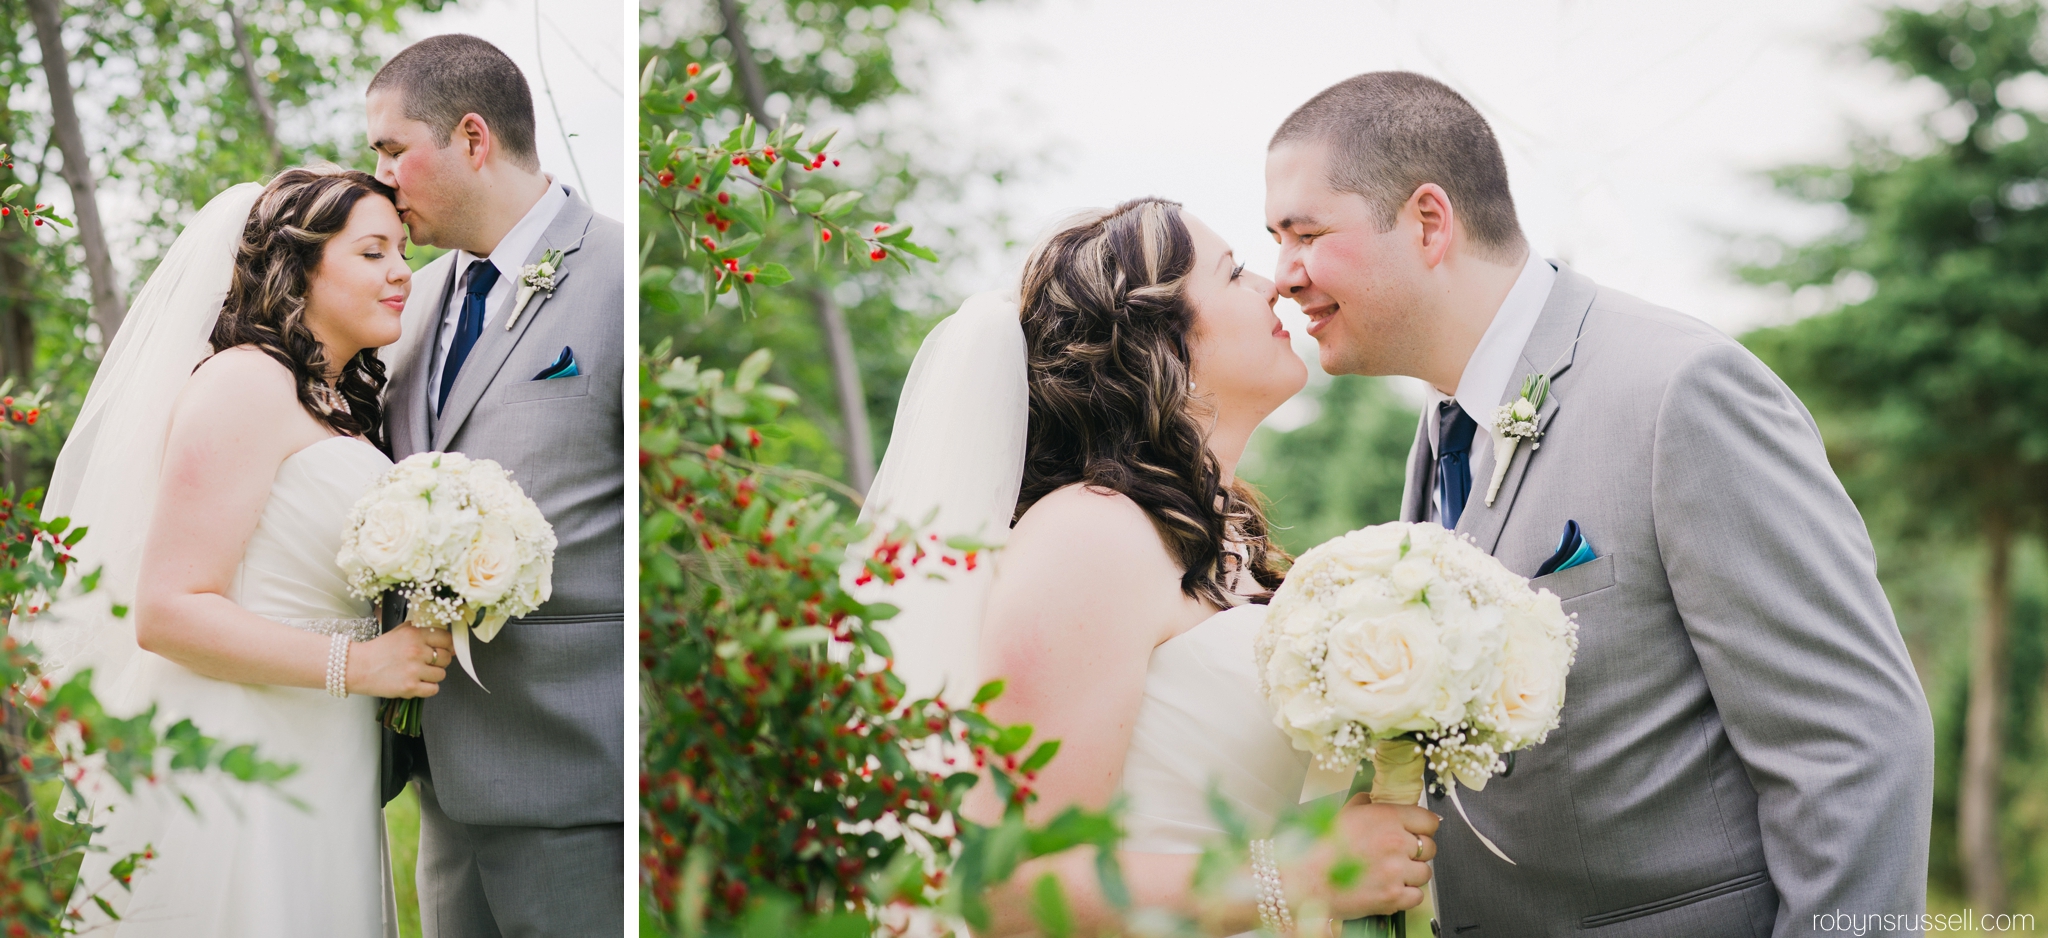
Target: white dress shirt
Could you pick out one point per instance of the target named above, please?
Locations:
(509, 257)
(1492, 366)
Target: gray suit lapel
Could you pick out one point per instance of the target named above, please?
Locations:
(406, 402)
(1552, 346)
(496, 344)
(1415, 493)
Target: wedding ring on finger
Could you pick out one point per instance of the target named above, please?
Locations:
(1418, 849)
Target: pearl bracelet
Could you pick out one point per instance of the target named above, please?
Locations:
(1274, 915)
(337, 664)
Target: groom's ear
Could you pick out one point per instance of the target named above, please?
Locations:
(473, 133)
(1430, 208)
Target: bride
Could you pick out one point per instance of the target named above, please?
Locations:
(1104, 411)
(229, 430)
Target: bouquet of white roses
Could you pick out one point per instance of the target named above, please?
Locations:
(460, 541)
(1407, 645)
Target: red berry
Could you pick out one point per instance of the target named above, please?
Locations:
(695, 181)
(689, 97)
(692, 69)
(725, 198)
(748, 277)
(879, 228)
(710, 245)
(877, 254)
(5, 211)
(666, 178)
(39, 222)
(825, 235)
(732, 263)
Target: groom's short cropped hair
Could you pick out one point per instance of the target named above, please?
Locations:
(441, 78)
(1388, 133)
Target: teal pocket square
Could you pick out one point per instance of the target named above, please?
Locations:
(563, 367)
(1572, 549)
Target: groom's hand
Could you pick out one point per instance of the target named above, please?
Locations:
(1394, 843)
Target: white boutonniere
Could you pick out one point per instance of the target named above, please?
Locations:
(1514, 422)
(535, 278)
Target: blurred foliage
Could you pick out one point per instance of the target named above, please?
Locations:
(181, 123)
(786, 785)
(1339, 472)
(1926, 375)
(825, 64)
(784, 777)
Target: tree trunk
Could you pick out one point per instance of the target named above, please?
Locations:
(254, 83)
(853, 402)
(108, 305)
(1984, 730)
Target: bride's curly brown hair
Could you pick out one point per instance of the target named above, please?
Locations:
(282, 243)
(1106, 320)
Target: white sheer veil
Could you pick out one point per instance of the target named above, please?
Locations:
(953, 467)
(106, 474)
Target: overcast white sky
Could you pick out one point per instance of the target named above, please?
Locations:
(1635, 133)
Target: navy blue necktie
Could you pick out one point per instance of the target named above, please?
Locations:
(1454, 431)
(483, 275)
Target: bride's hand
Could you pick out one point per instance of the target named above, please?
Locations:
(407, 661)
(1395, 842)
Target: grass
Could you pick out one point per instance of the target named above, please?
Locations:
(402, 827)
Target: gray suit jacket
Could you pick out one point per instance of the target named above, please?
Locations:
(545, 747)
(1745, 744)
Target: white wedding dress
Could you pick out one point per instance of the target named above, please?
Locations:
(305, 858)
(1203, 723)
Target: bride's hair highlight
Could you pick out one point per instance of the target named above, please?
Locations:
(1106, 320)
(280, 250)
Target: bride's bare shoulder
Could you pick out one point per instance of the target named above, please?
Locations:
(1088, 532)
(240, 386)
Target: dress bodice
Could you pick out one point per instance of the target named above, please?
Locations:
(1204, 722)
(288, 570)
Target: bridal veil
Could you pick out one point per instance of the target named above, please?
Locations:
(106, 474)
(953, 468)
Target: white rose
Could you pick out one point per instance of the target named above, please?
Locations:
(1523, 410)
(392, 537)
(488, 568)
(1386, 672)
(1414, 574)
(1372, 550)
(1534, 665)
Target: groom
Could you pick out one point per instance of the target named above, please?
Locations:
(522, 788)
(1744, 745)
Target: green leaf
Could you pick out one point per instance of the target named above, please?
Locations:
(807, 200)
(774, 178)
(1040, 756)
(740, 246)
(751, 370)
(988, 692)
(1049, 907)
(839, 204)
(1012, 738)
(918, 251)
(9, 192)
(805, 635)
(772, 275)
